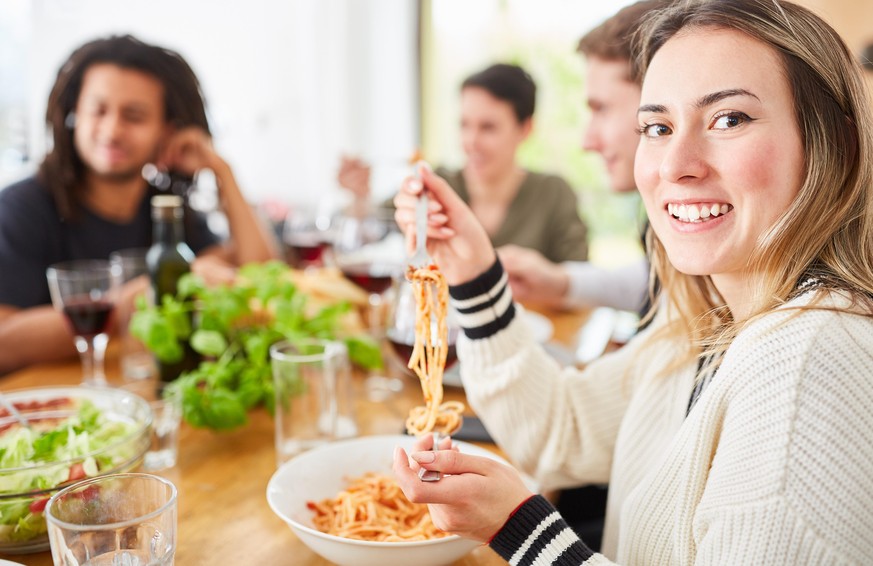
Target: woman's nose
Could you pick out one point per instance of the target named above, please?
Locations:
(684, 158)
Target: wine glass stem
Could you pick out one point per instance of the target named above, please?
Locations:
(92, 352)
(374, 313)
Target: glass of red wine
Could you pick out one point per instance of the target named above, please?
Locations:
(370, 251)
(306, 235)
(401, 327)
(84, 292)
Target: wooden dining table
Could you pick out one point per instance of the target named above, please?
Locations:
(223, 516)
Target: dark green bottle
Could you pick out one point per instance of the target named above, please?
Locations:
(167, 260)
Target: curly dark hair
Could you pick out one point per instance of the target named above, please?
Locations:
(62, 170)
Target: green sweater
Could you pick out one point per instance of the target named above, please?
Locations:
(543, 216)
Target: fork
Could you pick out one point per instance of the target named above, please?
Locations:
(432, 475)
(420, 257)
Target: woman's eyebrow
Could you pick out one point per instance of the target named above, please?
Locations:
(714, 97)
(703, 101)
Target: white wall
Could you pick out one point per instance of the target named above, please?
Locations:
(289, 85)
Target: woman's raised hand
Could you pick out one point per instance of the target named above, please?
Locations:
(456, 240)
(475, 496)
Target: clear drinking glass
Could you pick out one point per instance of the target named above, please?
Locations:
(166, 406)
(114, 520)
(370, 251)
(137, 362)
(164, 451)
(313, 402)
(84, 291)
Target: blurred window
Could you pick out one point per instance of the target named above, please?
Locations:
(15, 152)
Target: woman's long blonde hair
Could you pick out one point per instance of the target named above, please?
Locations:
(827, 232)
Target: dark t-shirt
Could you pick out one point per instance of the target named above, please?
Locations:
(33, 236)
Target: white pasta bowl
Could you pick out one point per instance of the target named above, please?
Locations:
(323, 472)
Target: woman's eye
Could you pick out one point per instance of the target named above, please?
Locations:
(730, 120)
(655, 130)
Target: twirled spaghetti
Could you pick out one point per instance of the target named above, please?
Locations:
(374, 508)
(428, 359)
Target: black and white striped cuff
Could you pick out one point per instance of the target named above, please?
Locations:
(484, 305)
(537, 534)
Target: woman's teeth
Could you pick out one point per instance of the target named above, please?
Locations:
(697, 212)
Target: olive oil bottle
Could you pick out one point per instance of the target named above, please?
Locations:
(168, 259)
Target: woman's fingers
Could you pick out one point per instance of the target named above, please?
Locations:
(446, 444)
(423, 442)
(454, 462)
(436, 222)
(439, 188)
(418, 491)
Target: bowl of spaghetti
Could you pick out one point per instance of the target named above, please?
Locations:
(356, 474)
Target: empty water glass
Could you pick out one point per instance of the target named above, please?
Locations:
(166, 406)
(167, 414)
(137, 362)
(114, 520)
(311, 381)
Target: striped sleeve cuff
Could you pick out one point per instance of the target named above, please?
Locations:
(484, 305)
(537, 534)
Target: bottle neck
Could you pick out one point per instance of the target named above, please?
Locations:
(168, 232)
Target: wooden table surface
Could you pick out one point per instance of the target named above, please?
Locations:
(223, 516)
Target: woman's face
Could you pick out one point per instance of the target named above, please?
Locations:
(490, 133)
(721, 157)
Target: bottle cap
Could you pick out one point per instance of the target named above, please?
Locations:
(166, 207)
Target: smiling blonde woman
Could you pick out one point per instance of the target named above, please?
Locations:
(736, 428)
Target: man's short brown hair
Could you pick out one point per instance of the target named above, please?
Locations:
(613, 39)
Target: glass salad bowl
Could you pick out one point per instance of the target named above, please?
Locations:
(72, 433)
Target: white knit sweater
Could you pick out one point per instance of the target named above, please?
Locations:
(774, 464)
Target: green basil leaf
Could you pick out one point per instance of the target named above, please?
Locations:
(208, 342)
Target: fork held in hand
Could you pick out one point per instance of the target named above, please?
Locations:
(432, 475)
(420, 258)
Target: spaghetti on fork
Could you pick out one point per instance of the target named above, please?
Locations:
(428, 359)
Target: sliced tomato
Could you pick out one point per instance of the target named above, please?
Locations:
(77, 472)
(38, 505)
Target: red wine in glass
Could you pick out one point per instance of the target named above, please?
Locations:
(83, 292)
(308, 254)
(305, 249)
(88, 318)
(370, 277)
(403, 342)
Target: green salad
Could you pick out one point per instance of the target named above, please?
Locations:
(233, 328)
(33, 460)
